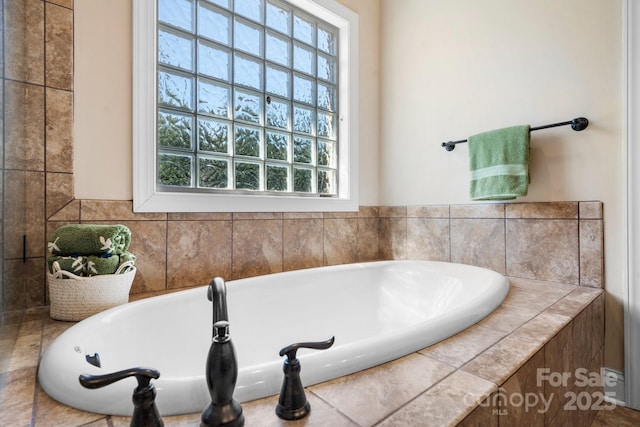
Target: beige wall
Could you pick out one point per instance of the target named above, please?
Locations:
(450, 69)
(447, 70)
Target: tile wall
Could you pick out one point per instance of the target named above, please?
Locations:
(559, 242)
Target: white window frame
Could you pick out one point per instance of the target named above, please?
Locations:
(146, 197)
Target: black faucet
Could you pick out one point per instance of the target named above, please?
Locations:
(145, 412)
(293, 404)
(217, 293)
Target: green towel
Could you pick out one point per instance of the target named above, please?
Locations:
(499, 164)
(90, 239)
(90, 265)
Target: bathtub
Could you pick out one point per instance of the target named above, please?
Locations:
(377, 311)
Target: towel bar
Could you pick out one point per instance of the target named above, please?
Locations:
(577, 124)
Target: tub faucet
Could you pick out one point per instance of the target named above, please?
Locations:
(217, 293)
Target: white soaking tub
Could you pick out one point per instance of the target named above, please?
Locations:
(377, 311)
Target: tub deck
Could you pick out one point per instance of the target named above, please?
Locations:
(540, 324)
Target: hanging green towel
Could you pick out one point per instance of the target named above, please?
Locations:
(499, 163)
(90, 239)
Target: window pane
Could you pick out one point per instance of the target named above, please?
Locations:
(327, 68)
(278, 17)
(223, 3)
(247, 176)
(214, 61)
(277, 146)
(326, 153)
(303, 30)
(178, 13)
(247, 141)
(247, 106)
(302, 120)
(278, 50)
(175, 91)
(327, 41)
(213, 173)
(213, 99)
(251, 9)
(247, 37)
(302, 149)
(278, 114)
(326, 125)
(327, 97)
(303, 59)
(175, 50)
(326, 182)
(303, 89)
(278, 81)
(213, 136)
(277, 178)
(174, 170)
(214, 24)
(302, 180)
(174, 130)
(247, 72)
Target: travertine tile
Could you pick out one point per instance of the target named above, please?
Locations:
(368, 239)
(257, 215)
(257, 247)
(572, 304)
(480, 210)
(464, 346)
(434, 211)
(523, 406)
(557, 361)
(447, 403)
(428, 239)
(114, 210)
(542, 327)
(340, 241)
(33, 220)
(24, 126)
(540, 287)
(392, 211)
(591, 253)
(302, 215)
(303, 245)
(197, 251)
(582, 331)
(59, 130)
(64, 3)
(261, 413)
(590, 210)
(501, 360)
(149, 245)
(51, 413)
(16, 397)
(342, 215)
(368, 396)
(547, 210)
(59, 191)
(69, 212)
(543, 250)
(35, 282)
(199, 216)
(24, 41)
(59, 46)
(485, 415)
(597, 325)
(14, 210)
(393, 238)
(368, 212)
(525, 298)
(508, 318)
(479, 242)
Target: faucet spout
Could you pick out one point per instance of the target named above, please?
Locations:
(217, 293)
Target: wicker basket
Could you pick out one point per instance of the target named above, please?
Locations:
(75, 298)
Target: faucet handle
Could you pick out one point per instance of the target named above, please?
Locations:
(292, 403)
(292, 349)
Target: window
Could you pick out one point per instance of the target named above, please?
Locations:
(244, 105)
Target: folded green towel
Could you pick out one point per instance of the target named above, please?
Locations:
(499, 164)
(90, 239)
(91, 265)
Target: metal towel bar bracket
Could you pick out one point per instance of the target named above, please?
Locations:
(577, 124)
